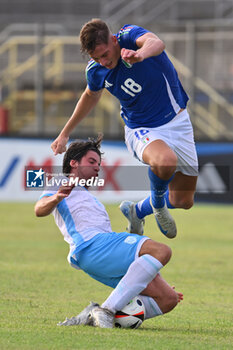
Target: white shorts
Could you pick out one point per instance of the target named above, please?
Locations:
(177, 134)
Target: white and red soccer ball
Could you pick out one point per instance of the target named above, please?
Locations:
(132, 315)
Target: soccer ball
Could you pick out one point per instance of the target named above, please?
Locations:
(132, 315)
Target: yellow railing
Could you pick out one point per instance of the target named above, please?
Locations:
(51, 45)
(55, 66)
(208, 120)
(54, 69)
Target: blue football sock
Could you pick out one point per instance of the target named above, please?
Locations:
(143, 208)
(158, 189)
(169, 205)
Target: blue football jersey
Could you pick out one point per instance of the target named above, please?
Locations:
(150, 92)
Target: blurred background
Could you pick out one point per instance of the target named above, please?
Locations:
(42, 75)
(42, 72)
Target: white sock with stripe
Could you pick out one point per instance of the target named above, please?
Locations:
(140, 273)
(152, 309)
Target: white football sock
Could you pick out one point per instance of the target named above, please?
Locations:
(151, 307)
(140, 273)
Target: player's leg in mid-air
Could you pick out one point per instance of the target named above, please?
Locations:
(171, 155)
(180, 194)
(162, 163)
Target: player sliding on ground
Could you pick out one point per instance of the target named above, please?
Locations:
(129, 263)
(133, 66)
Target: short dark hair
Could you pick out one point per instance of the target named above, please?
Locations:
(78, 149)
(93, 33)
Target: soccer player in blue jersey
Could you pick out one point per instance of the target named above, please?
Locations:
(133, 66)
(129, 263)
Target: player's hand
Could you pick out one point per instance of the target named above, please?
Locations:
(59, 145)
(64, 191)
(131, 56)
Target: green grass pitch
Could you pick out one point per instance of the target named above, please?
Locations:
(38, 288)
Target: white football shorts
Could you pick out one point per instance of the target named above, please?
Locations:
(177, 134)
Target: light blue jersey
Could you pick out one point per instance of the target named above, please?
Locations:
(150, 91)
(80, 217)
(94, 248)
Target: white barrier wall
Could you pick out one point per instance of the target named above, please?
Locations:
(125, 177)
(16, 154)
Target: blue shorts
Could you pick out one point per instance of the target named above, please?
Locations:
(109, 256)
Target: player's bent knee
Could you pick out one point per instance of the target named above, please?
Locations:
(159, 251)
(166, 298)
(167, 253)
(171, 302)
(167, 162)
(182, 202)
(186, 204)
(164, 161)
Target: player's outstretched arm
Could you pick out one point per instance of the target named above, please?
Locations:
(47, 204)
(148, 45)
(86, 103)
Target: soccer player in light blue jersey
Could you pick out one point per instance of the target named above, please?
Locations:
(133, 66)
(127, 262)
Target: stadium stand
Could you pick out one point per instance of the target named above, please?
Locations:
(42, 69)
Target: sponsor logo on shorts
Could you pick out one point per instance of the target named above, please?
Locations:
(130, 240)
